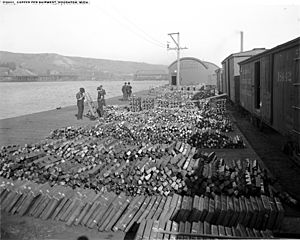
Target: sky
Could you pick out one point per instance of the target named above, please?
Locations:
(137, 30)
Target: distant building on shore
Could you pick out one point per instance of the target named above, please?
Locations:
(146, 75)
(193, 71)
(19, 75)
(37, 78)
(4, 71)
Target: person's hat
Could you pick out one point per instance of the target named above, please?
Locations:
(98, 88)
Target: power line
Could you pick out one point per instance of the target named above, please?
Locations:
(130, 29)
(137, 27)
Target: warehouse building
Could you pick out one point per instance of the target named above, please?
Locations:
(193, 71)
(231, 72)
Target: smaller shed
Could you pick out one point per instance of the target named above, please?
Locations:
(231, 72)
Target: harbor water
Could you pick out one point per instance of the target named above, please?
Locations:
(21, 98)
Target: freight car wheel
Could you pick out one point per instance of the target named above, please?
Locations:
(253, 120)
(260, 125)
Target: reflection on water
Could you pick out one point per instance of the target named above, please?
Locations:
(19, 98)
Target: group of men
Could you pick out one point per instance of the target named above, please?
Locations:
(127, 91)
(80, 96)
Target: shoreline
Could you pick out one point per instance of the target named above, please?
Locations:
(34, 127)
(102, 80)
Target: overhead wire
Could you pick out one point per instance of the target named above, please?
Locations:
(132, 30)
(136, 26)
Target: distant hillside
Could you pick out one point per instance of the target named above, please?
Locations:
(13, 64)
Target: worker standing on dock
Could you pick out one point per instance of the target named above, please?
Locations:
(129, 90)
(124, 91)
(101, 100)
(80, 103)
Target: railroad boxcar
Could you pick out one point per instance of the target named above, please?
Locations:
(231, 71)
(270, 88)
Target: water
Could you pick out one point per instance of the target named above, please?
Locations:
(19, 98)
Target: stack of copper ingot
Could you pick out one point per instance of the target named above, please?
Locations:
(140, 168)
(147, 103)
(135, 104)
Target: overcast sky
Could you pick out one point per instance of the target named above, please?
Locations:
(136, 30)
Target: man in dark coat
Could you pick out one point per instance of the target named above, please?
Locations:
(80, 103)
(124, 91)
(101, 100)
(129, 90)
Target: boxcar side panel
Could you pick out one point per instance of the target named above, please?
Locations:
(237, 89)
(284, 92)
(224, 79)
(296, 84)
(236, 78)
(246, 86)
(222, 82)
(266, 89)
(231, 79)
(218, 81)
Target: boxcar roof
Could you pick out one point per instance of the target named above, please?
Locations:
(248, 53)
(281, 47)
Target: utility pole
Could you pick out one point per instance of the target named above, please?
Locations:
(177, 48)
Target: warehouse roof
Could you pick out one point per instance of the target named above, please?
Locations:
(205, 64)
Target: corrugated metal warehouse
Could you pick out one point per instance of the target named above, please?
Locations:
(270, 87)
(231, 72)
(193, 71)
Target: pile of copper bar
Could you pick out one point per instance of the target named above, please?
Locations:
(150, 229)
(148, 168)
(108, 211)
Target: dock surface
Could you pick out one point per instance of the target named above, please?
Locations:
(35, 127)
